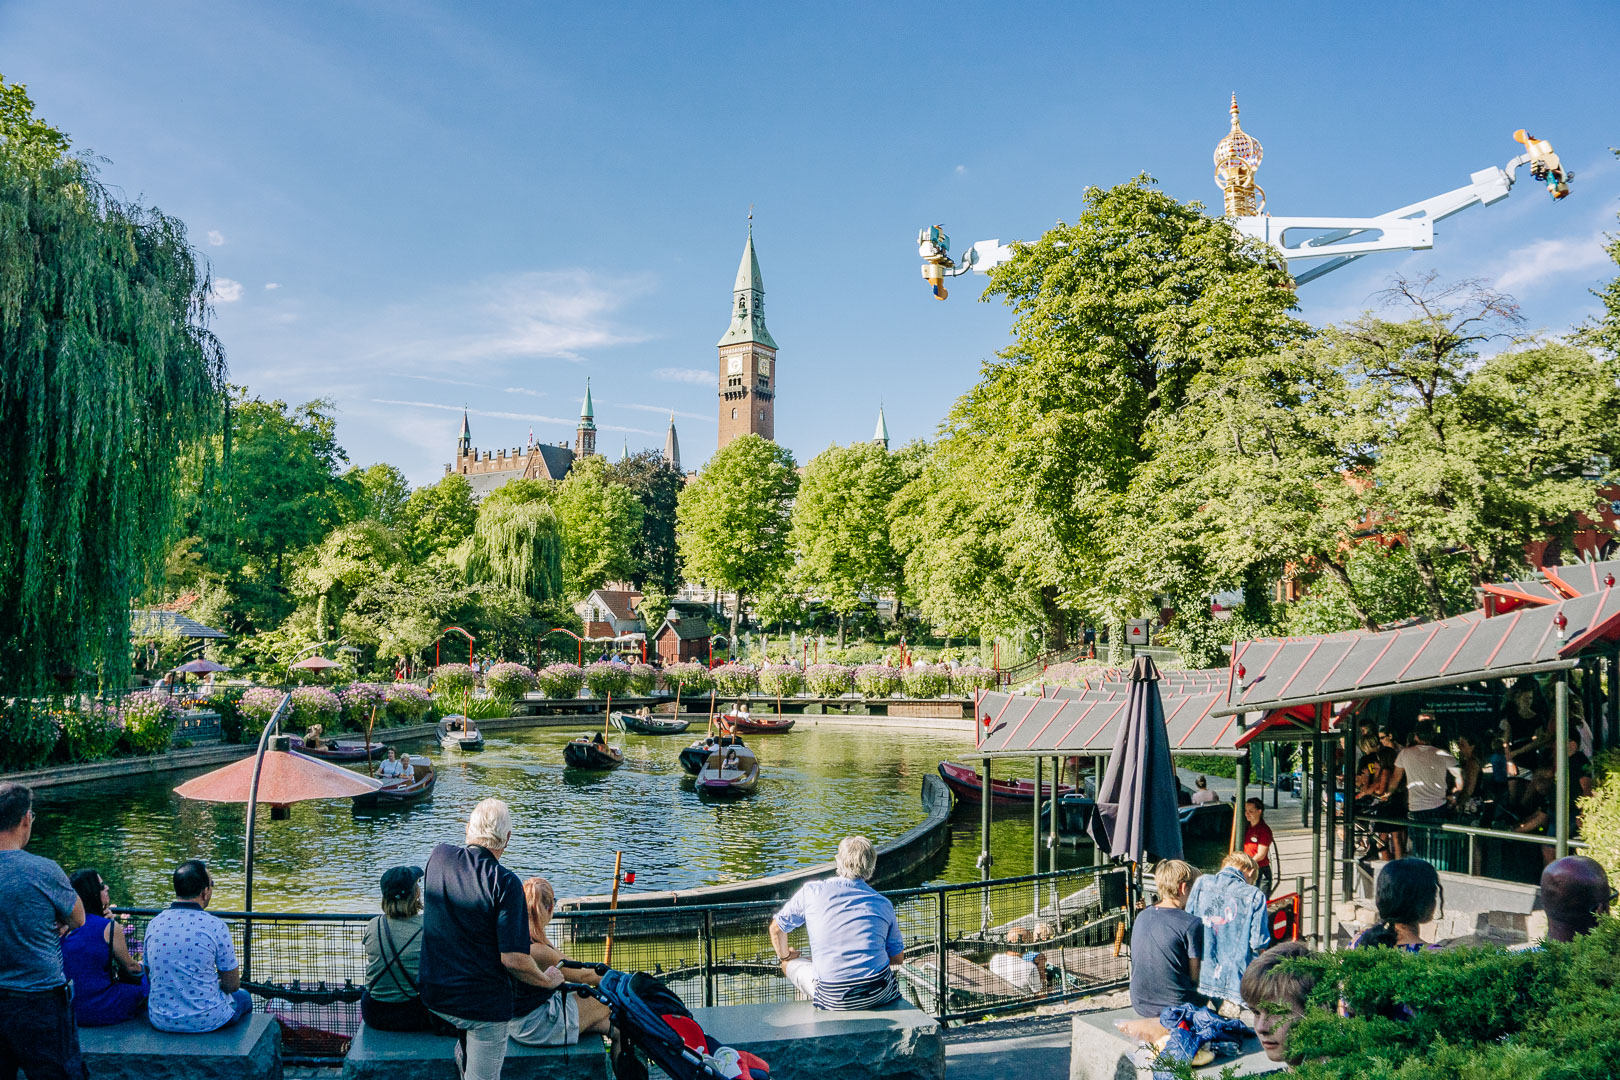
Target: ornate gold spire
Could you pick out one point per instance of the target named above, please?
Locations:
(1236, 158)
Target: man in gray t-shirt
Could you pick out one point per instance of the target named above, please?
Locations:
(37, 906)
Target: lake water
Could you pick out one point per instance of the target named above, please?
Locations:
(818, 784)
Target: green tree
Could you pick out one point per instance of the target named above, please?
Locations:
(655, 554)
(518, 546)
(109, 378)
(601, 522)
(332, 572)
(841, 528)
(381, 494)
(733, 520)
(1603, 332)
(439, 517)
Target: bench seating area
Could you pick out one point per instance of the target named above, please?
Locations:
(1100, 1051)
(135, 1050)
(392, 1055)
(896, 1042)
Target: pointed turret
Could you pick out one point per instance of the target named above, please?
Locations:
(587, 414)
(672, 446)
(585, 435)
(748, 302)
(464, 443)
(881, 434)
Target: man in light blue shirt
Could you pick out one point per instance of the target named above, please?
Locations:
(855, 939)
(196, 980)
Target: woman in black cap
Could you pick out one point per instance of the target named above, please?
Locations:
(391, 1000)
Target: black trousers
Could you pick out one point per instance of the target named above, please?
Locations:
(409, 1015)
(38, 1036)
(1263, 881)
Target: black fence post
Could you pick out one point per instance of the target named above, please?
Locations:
(708, 958)
(942, 1000)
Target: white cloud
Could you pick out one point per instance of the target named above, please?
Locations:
(497, 415)
(272, 285)
(960, 169)
(226, 291)
(695, 376)
(664, 410)
(1533, 264)
(215, 238)
(522, 390)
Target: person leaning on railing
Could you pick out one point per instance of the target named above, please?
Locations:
(855, 942)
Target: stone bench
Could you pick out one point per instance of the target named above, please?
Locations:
(395, 1055)
(1100, 1051)
(136, 1050)
(801, 1042)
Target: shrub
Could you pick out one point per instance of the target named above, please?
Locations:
(828, 680)
(1600, 814)
(256, 707)
(971, 677)
(314, 705)
(148, 718)
(560, 680)
(453, 678)
(407, 702)
(359, 699)
(606, 677)
(471, 706)
(90, 731)
(877, 680)
(509, 681)
(28, 733)
(735, 680)
(781, 680)
(689, 677)
(926, 680)
(643, 679)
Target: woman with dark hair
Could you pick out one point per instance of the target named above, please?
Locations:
(108, 984)
(1409, 895)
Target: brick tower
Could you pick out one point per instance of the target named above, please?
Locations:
(747, 358)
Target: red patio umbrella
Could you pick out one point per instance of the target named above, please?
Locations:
(200, 667)
(315, 663)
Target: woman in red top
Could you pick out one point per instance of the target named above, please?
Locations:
(1257, 842)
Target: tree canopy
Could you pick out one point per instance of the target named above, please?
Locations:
(601, 520)
(654, 553)
(840, 538)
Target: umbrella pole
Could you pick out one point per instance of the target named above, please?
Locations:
(984, 823)
(1035, 838)
(252, 814)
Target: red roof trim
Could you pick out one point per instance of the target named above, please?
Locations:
(1569, 591)
(1598, 628)
(1402, 673)
(1511, 626)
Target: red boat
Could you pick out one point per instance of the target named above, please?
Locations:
(736, 723)
(969, 786)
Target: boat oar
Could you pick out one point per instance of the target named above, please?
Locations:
(372, 720)
(613, 905)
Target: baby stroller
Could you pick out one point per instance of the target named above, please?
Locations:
(650, 1018)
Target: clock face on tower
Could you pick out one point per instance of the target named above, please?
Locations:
(764, 365)
(734, 366)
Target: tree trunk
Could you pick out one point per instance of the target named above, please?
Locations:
(1057, 628)
(1338, 573)
(1431, 585)
(841, 618)
(1118, 648)
(736, 612)
(1257, 595)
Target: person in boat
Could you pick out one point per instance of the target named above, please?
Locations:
(855, 942)
(644, 713)
(599, 741)
(392, 768)
(312, 738)
(730, 760)
(544, 1017)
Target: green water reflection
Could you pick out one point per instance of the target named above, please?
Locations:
(819, 784)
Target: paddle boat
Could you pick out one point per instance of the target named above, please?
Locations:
(591, 752)
(456, 732)
(730, 770)
(406, 789)
(648, 724)
(968, 785)
(740, 722)
(335, 751)
(693, 757)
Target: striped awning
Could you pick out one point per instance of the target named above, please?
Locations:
(1083, 721)
(1274, 674)
(1554, 584)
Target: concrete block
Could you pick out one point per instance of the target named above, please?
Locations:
(396, 1055)
(1100, 1051)
(135, 1050)
(801, 1042)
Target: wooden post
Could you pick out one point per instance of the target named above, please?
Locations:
(1561, 758)
(1239, 800)
(984, 823)
(1315, 810)
(1348, 873)
(1035, 836)
(613, 905)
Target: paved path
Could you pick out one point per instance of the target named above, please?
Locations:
(1033, 1048)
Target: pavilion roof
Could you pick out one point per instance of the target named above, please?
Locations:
(1083, 721)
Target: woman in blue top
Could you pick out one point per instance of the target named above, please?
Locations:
(92, 954)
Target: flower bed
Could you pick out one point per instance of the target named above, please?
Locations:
(643, 679)
(408, 703)
(508, 682)
(688, 678)
(606, 677)
(560, 680)
(781, 680)
(148, 718)
(828, 680)
(256, 706)
(314, 705)
(877, 680)
(970, 677)
(453, 679)
(735, 680)
(361, 701)
(926, 680)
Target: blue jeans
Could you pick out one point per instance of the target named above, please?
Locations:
(241, 1006)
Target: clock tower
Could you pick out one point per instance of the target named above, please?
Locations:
(747, 358)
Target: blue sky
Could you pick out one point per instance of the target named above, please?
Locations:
(411, 206)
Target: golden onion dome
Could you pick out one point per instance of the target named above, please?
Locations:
(1237, 156)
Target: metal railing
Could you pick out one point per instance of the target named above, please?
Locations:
(965, 949)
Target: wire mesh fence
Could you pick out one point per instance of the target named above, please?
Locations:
(970, 950)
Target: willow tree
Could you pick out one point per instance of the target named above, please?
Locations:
(108, 374)
(518, 545)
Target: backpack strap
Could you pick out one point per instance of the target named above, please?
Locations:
(393, 963)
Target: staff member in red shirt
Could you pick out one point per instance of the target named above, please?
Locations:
(1257, 841)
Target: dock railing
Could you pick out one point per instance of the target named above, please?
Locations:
(971, 950)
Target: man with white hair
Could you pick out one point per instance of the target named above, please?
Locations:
(854, 936)
(475, 940)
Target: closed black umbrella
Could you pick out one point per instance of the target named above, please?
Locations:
(1136, 804)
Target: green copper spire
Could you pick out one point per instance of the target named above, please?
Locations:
(587, 415)
(748, 301)
(881, 435)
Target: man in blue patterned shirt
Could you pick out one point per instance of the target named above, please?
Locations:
(196, 979)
